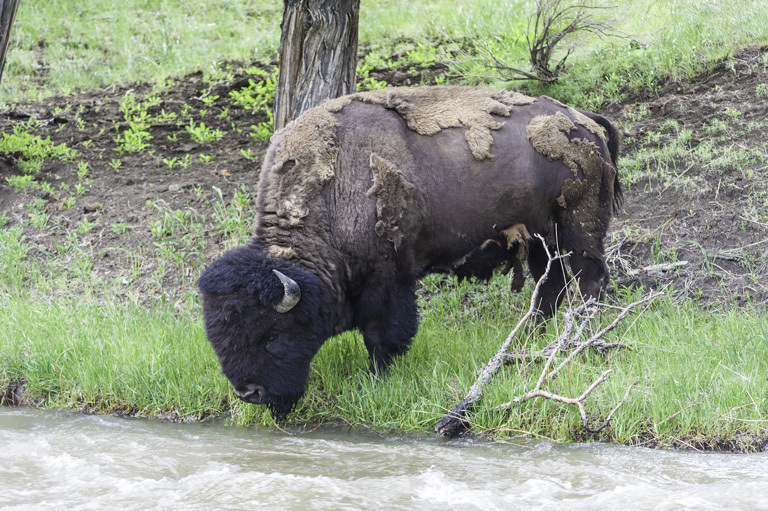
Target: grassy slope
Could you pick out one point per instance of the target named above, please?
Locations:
(693, 373)
(59, 47)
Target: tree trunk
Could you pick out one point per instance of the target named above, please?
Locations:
(318, 55)
(7, 15)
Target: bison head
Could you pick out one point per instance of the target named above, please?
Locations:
(262, 317)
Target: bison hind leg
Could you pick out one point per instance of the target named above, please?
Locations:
(552, 291)
(592, 274)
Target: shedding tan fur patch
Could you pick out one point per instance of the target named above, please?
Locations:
(547, 134)
(582, 196)
(516, 234)
(304, 160)
(281, 252)
(581, 119)
(394, 193)
(428, 110)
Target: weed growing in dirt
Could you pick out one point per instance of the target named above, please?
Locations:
(20, 183)
(257, 96)
(263, 130)
(236, 219)
(30, 151)
(202, 134)
(364, 67)
(135, 139)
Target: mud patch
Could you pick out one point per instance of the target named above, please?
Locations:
(694, 165)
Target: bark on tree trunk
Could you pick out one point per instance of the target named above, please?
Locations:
(318, 55)
(7, 15)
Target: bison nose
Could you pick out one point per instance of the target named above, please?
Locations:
(252, 393)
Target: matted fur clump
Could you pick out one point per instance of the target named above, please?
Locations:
(428, 110)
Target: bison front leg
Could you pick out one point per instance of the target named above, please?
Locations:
(388, 319)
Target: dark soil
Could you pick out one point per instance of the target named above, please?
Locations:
(698, 222)
(705, 224)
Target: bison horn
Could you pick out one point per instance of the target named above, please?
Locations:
(292, 293)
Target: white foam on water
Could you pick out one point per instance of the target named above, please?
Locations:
(60, 460)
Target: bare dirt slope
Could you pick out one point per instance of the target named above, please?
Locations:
(694, 168)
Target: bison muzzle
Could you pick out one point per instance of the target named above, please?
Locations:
(363, 195)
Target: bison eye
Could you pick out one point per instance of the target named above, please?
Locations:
(271, 343)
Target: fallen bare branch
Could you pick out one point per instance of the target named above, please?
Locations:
(657, 268)
(531, 356)
(455, 422)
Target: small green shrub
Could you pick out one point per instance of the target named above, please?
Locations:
(30, 151)
(257, 96)
(263, 130)
(19, 183)
(201, 133)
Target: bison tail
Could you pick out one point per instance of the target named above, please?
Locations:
(613, 149)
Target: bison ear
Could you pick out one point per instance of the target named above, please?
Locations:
(218, 278)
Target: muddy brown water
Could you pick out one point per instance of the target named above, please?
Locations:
(60, 460)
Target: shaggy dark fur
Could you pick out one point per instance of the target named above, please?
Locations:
(362, 196)
(250, 337)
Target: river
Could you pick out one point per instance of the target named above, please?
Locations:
(62, 460)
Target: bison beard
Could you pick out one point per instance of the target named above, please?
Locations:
(360, 197)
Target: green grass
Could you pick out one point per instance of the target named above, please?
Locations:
(110, 359)
(695, 376)
(77, 45)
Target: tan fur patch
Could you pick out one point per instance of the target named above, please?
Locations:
(336, 105)
(304, 160)
(394, 193)
(547, 134)
(582, 196)
(581, 119)
(281, 252)
(516, 234)
(428, 110)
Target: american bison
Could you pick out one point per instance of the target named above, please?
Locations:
(363, 195)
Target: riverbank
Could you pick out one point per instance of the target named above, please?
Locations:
(696, 378)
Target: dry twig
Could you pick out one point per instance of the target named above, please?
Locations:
(455, 422)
